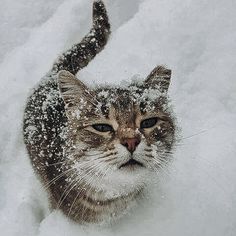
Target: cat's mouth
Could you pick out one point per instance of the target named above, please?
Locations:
(131, 163)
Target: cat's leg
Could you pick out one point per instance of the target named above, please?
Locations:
(82, 53)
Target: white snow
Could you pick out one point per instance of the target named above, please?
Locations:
(196, 39)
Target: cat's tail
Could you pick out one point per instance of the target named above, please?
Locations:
(82, 53)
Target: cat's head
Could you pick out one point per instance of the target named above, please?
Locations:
(120, 135)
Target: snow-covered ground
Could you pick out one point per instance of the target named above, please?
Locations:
(196, 39)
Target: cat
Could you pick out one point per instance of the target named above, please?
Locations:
(94, 150)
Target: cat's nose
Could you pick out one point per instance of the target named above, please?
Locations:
(130, 143)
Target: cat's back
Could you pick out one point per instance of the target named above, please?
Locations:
(44, 123)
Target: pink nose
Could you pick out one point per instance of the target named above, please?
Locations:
(130, 143)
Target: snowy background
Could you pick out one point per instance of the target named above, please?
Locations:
(196, 39)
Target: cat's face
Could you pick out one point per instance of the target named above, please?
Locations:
(120, 135)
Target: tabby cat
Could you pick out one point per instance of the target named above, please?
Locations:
(95, 149)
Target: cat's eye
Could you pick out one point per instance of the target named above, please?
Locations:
(148, 123)
(102, 127)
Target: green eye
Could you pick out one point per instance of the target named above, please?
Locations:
(148, 123)
(102, 127)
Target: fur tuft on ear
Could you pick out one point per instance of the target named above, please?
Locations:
(159, 78)
(72, 90)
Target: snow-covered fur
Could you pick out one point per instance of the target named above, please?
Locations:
(96, 149)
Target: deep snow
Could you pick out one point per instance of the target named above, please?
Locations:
(196, 39)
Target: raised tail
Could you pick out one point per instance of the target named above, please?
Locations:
(82, 53)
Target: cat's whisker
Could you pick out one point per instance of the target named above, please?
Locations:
(108, 155)
(76, 197)
(192, 135)
(107, 160)
(154, 163)
(152, 166)
(48, 184)
(158, 160)
(58, 163)
(81, 167)
(157, 156)
(100, 177)
(101, 156)
(71, 186)
(91, 166)
(66, 193)
(157, 165)
(91, 155)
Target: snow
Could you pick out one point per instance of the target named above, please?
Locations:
(196, 39)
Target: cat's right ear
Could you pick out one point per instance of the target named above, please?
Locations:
(159, 78)
(72, 90)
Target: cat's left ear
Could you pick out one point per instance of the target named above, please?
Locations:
(159, 78)
(73, 91)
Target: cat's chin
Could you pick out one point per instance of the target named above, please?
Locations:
(125, 180)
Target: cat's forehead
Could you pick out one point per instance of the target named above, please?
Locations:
(118, 98)
(125, 103)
